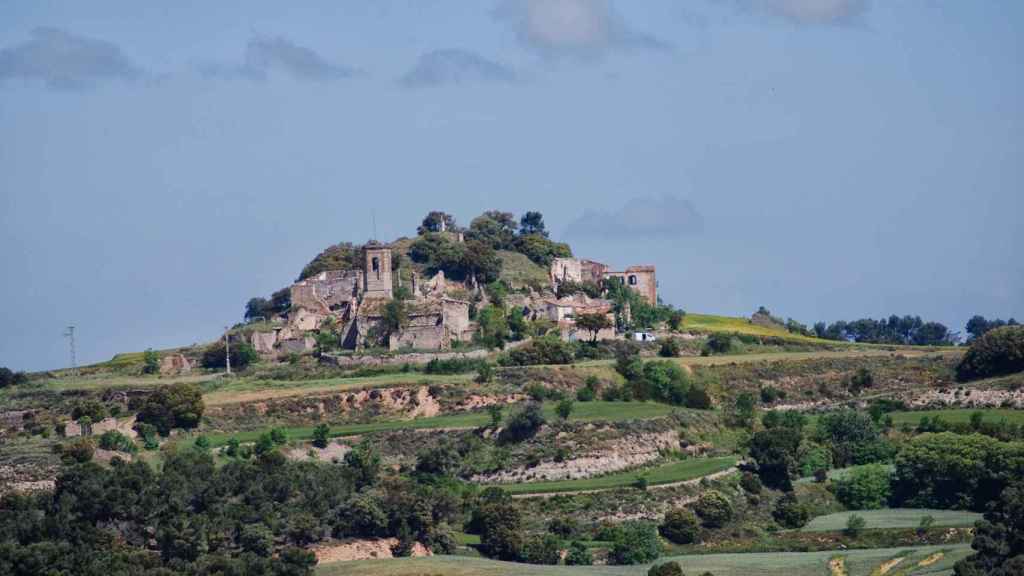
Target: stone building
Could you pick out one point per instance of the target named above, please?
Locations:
(639, 278)
(353, 302)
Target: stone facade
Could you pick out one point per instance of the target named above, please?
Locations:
(377, 279)
(638, 278)
(641, 279)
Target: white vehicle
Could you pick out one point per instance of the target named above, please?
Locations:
(644, 337)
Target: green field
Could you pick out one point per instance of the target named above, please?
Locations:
(665, 474)
(582, 411)
(858, 563)
(892, 518)
(960, 415)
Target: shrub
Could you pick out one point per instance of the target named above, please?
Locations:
(698, 398)
(543, 549)
(669, 348)
(578, 555)
(177, 405)
(546, 350)
(150, 362)
(484, 373)
(523, 424)
(586, 394)
(495, 411)
(750, 483)
(789, 512)
(80, 450)
(9, 377)
(844, 433)
(565, 527)
(564, 408)
(861, 380)
(278, 436)
(718, 343)
(813, 457)
(926, 523)
(855, 524)
(680, 526)
(820, 475)
(667, 569)
(114, 440)
(997, 352)
(865, 487)
(320, 435)
(242, 354)
(636, 543)
(714, 509)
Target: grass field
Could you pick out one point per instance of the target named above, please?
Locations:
(892, 518)
(960, 415)
(665, 474)
(582, 411)
(857, 562)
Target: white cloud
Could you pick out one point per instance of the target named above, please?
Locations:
(577, 28)
(454, 66)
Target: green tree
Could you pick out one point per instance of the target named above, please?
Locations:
(541, 549)
(680, 526)
(394, 316)
(675, 320)
(714, 509)
(493, 326)
(789, 512)
(564, 408)
(321, 434)
(855, 524)
(578, 555)
(436, 222)
(523, 424)
(150, 362)
(495, 412)
(865, 487)
(671, 568)
(593, 323)
(999, 538)
(743, 412)
(494, 228)
(847, 433)
(363, 465)
(532, 223)
(997, 352)
(178, 405)
(775, 451)
(697, 397)
(242, 354)
(258, 308)
(636, 543)
(669, 348)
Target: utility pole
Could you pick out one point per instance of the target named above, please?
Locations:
(227, 349)
(70, 335)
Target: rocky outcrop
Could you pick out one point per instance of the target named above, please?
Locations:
(175, 364)
(363, 550)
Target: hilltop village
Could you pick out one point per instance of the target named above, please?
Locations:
(377, 303)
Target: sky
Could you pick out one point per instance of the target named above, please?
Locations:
(161, 163)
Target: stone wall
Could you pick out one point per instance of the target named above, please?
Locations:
(392, 360)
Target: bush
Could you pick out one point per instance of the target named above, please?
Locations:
(925, 524)
(864, 487)
(545, 350)
(543, 549)
(578, 555)
(855, 524)
(10, 378)
(667, 569)
(861, 380)
(150, 362)
(565, 527)
(637, 543)
(242, 354)
(586, 394)
(698, 398)
(564, 408)
(718, 343)
(714, 509)
(455, 366)
(997, 352)
(845, 433)
(177, 405)
(80, 450)
(790, 513)
(114, 440)
(680, 526)
(523, 424)
(750, 483)
(669, 348)
(321, 434)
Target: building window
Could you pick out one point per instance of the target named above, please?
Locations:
(632, 280)
(375, 263)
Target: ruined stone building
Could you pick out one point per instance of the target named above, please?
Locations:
(351, 303)
(638, 278)
(564, 311)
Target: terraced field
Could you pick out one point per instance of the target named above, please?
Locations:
(932, 560)
(582, 411)
(893, 518)
(680, 471)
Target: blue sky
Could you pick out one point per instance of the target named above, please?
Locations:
(162, 163)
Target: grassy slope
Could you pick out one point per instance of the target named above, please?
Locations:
(960, 415)
(858, 562)
(666, 474)
(892, 518)
(518, 270)
(582, 411)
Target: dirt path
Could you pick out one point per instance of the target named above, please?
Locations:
(690, 482)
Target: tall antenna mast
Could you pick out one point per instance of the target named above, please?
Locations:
(373, 216)
(70, 335)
